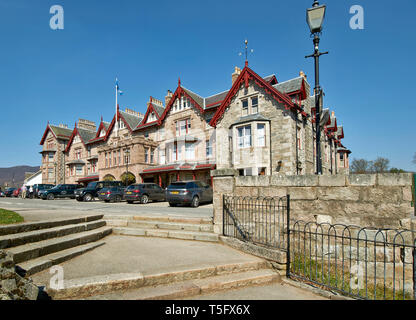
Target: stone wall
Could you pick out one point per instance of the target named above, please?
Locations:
(12, 285)
(374, 200)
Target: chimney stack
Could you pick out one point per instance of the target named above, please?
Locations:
(234, 76)
(168, 97)
(86, 124)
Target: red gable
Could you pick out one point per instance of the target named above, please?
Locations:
(244, 77)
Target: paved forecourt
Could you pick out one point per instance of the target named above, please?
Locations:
(37, 209)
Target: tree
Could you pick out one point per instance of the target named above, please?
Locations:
(397, 170)
(360, 166)
(380, 165)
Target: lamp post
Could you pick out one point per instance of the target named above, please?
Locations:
(315, 18)
(127, 155)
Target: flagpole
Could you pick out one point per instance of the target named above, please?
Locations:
(116, 124)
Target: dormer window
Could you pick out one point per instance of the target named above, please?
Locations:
(102, 133)
(121, 124)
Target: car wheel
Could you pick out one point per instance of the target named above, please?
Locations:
(172, 204)
(118, 199)
(129, 202)
(107, 201)
(88, 197)
(50, 196)
(79, 199)
(195, 202)
(144, 199)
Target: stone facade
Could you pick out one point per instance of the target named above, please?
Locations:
(262, 128)
(54, 142)
(264, 134)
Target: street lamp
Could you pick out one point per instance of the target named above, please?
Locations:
(315, 18)
(127, 155)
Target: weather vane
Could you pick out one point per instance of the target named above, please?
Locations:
(246, 51)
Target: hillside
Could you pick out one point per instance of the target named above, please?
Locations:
(16, 174)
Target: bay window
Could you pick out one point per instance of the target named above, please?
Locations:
(244, 137)
(261, 135)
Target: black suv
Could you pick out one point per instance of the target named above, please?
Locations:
(91, 191)
(60, 191)
(9, 192)
(188, 192)
(38, 189)
(144, 192)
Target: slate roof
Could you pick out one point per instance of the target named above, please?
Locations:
(251, 117)
(159, 109)
(62, 133)
(131, 119)
(106, 125)
(216, 98)
(198, 99)
(269, 78)
(290, 85)
(86, 135)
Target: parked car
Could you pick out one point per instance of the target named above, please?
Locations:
(144, 192)
(16, 192)
(91, 191)
(38, 189)
(114, 194)
(188, 192)
(60, 191)
(2, 194)
(9, 192)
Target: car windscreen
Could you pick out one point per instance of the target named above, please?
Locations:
(92, 185)
(133, 187)
(177, 185)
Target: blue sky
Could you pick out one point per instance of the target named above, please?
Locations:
(64, 75)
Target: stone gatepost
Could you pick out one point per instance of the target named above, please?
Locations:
(223, 184)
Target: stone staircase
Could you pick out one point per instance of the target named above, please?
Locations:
(36, 246)
(199, 229)
(177, 284)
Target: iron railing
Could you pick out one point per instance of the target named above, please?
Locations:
(260, 220)
(364, 263)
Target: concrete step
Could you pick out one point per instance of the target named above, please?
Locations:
(160, 218)
(186, 289)
(38, 225)
(18, 239)
(96, 285)
(164, 233)
(37, 265)
(170, 226)
(42, 248)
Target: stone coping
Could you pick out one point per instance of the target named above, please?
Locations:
(385, 179)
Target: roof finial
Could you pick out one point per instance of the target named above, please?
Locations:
(179, 82)
(75, 124)
(151, 99)
(118, 107)
(246, 43)
(246, 52)
(101, 118)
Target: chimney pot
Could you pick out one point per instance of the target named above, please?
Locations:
(234, 76)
